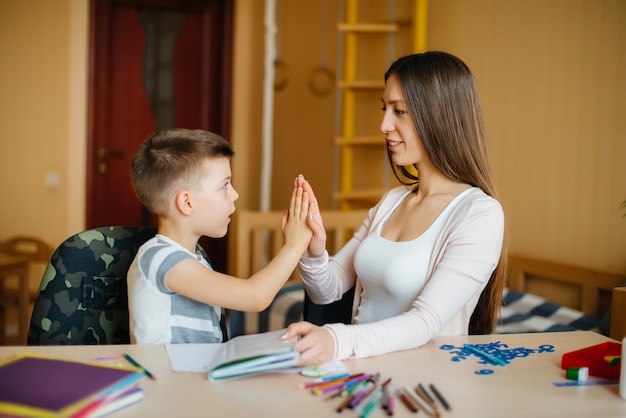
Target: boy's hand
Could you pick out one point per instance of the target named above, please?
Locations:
(318, 242)
(295, 221)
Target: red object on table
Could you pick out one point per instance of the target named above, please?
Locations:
(593, 357)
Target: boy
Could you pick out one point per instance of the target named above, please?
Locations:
(183, 177)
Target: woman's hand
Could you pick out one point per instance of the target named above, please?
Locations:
(317, 245)
(316, 345)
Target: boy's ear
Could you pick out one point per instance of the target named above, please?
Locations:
(183, 202)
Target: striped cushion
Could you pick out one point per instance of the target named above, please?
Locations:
(525, 312)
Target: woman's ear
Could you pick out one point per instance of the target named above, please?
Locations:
(183, 202)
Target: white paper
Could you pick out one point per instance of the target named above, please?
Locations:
(192, 357)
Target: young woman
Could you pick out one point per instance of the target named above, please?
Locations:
(429, 259)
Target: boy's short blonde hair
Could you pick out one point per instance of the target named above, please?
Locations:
(170, 159)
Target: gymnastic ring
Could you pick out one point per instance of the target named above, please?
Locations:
(281, 76)
(322, 81)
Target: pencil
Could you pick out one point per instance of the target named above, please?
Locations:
(407, 401)
(486, 356)
(345, 403)
(372, 401)
(440, 397)
(318, 386)
(136, 364)
(385, 398)
(425, 392)
(420, 391)
(341, 384)
(420, 402)
(390, 403)
(326, 379)
(332, 395)
(362, 393)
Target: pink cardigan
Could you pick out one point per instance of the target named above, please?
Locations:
(465, 255)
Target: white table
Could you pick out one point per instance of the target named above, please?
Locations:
(523, 388)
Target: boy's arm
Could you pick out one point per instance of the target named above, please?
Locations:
(191, 279)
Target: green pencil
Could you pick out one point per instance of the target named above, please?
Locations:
(486, 356)
(136, 364)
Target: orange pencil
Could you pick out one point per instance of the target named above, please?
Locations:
(325, 380)
(407, 401)
(318, 386)
(336, 384)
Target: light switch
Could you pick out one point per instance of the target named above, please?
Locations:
(53, 179)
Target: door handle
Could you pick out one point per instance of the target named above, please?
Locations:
(105, 154)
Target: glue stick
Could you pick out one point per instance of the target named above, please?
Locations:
(622, 377)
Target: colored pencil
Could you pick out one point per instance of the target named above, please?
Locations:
(420, 402)
(136, 364)
(425, 392)
(586, 383)
(407, 401)
(325, 380)
(370, 403)
(343, 383)
(317, 387)
(361, 394)
(440, 397)
(386, 390)
(345, 403)
(391, 403)
(486, 356)
(419, 390)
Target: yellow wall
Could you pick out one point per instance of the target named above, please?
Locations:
(43, 73)
(551, 75)
(551, 79)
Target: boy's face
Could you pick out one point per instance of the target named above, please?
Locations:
(214, 200)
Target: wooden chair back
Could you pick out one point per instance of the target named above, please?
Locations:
(258, 237)
(27, 246)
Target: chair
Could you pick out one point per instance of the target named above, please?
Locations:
(29, 250)
(83, 297)
(26, 245)
(258, 237)
(618, 313)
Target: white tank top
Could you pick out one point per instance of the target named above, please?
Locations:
(394, 273)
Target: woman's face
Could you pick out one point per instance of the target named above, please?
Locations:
(400, 134)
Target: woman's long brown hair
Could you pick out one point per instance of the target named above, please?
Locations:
(442, 98)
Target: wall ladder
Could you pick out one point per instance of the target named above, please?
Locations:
(353, 33)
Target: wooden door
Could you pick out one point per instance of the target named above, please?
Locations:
(152, 65)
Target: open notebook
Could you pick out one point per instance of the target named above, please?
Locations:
(240, 356)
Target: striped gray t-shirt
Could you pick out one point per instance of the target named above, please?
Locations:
(157, 314)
